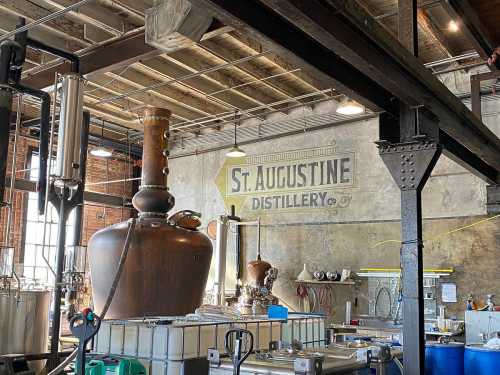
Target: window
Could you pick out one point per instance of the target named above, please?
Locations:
(35, 267)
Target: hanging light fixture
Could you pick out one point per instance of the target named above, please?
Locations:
(100, 151)
(349, 107)
(453, 26)
(235, 151)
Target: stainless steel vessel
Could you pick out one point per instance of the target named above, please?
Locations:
(70, 128)
(24, 321)
(168, 261)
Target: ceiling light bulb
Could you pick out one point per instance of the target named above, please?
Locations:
(350, 107)
(453, 26)
(101, 152)
(235, 152)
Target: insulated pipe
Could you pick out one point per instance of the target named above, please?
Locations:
(220, 260)
(74, 59)
(43, 147)
(7, 49)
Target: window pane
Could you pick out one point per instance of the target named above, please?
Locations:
(35, 266)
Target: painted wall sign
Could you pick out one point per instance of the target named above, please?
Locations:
(316, 178)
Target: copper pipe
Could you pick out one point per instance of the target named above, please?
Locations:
(154, 162)
(153, 198)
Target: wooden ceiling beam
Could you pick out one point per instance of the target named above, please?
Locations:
(303, 80)
(183, 98)
(95, 15)
(106, 57)
(172, 70)
(62, 26)
(124, 85)
(250, 68)
(9, 20)
(197, 61)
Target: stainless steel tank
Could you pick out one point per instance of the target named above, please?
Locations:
(167, 266)
(70, 128)
(24, 321)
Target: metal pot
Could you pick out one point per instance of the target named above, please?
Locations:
(168, 261)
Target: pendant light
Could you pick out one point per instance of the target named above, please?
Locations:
(235, 151)
(349, 107)
(100, 151)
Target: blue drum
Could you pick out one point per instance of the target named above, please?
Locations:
(481, 361)
(444, 359)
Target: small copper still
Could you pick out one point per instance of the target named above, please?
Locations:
(168, 261)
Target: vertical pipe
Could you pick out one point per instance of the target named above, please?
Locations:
(153, 198)
(154, 162)
(77, 234)
(47, 183)
(44, 156)
(56, 317)
(220, 260)
(5, 113)
(13, 171)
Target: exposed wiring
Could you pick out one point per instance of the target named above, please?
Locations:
(444, 233)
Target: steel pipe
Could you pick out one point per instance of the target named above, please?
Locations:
(219, 289)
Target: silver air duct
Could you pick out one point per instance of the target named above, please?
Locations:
(70, 128)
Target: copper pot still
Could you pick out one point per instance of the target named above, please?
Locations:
(257, 271)
(168, 261)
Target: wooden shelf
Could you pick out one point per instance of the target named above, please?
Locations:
(327, 282)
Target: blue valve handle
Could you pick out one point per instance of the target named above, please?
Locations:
(237, 355)
(84, 326)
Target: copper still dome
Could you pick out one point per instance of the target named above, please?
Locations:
(168, 260)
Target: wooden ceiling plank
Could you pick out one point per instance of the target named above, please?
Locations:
(252, 68)
(9, 20)
(182, 99)
(204, 85)
(306, 81)
(185, 89)
(32, 11)
(124, 86)
(96, 15)
(197, 61)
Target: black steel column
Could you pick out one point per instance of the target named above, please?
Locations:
(61, 245)
(410, 164)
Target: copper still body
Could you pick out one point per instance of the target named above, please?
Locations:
(168, 260)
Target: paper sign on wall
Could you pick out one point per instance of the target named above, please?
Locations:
(449, 292)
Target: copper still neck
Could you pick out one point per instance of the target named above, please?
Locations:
(153, 198)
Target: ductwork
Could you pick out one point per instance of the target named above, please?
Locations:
(175, 24)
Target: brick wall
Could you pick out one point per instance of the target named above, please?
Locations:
(95, 216)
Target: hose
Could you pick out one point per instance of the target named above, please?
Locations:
(388, 292)
(111, 294)
(399, 364)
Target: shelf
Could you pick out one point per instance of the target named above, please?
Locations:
(327, 282)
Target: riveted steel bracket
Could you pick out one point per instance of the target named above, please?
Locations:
(410, 163)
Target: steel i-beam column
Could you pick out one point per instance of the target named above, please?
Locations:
(410, 164)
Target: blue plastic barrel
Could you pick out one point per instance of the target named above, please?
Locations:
(444, 359)
(479, 360)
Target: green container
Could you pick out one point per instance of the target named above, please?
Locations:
(114, 366)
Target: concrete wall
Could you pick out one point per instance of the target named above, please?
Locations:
(329, 239)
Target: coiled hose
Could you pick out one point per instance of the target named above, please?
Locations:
(111, 294)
